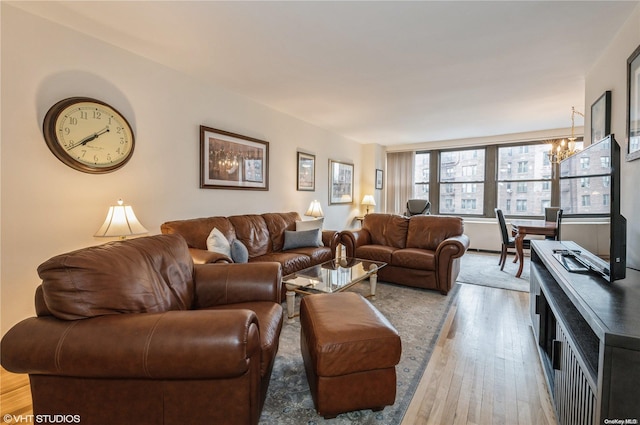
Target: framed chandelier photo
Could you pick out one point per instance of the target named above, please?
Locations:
(232, 161)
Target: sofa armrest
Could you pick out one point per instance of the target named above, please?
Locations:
(331, 238)
(188, 344)
(351, 239)
(202, 256)
(220, 284)
(447, 266)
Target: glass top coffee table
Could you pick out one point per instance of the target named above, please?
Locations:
(332, 276)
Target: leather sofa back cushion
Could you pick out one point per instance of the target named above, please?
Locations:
(150, 274)
(196, 230)
(252, 231)
(387, 229)
(428, 231)
(277, 223)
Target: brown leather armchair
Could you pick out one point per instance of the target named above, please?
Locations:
(133, 332)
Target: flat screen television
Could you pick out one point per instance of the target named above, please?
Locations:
(590, 184)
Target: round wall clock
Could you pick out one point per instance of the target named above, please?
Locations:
(88, 135)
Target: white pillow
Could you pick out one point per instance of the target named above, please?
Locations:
(216, 242)
(311, 225)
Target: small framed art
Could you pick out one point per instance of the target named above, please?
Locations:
(601, 117)
(633, 105)
(379, 178)
(232, 161)
(340, 182)
(306, 172)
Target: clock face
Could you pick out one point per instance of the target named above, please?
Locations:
(88, 135)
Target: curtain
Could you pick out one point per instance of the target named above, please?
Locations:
(399, 181)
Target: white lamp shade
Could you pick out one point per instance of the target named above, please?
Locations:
(121, 222)
(315, 210)
(368, 200)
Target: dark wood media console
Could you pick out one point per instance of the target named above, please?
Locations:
(588, 334)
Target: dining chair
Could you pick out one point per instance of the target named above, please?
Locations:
(553, 214)
(508, 242)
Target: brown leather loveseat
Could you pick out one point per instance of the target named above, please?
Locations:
(262, 234)
(422, 251)
(133, 332)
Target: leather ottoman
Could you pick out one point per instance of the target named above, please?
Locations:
(350, 353)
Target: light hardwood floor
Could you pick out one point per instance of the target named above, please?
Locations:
(484, 369)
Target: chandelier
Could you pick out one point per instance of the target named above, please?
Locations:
(562, 149)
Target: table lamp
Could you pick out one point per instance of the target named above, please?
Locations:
(121, 222)
(368, 201)
(315, 210)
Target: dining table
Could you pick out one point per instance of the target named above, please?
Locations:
(521, 228)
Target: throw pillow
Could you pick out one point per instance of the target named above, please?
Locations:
(302, 239)
(239, 252)
(216, 242)
(310, 225)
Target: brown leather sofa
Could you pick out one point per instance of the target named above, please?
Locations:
(262, 234)
(422, 251)
(133, 332)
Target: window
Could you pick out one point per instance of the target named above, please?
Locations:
(468, 204)
(523, 181)
(532, 181)
(469, 188)
(522, 187)
(421, 175)
(462, 178)
(584, 163)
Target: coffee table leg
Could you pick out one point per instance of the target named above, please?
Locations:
(291, 304)
(373, 280)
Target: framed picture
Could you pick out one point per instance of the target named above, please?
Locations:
(306, 172)
(633, 105)
(232, 161)
(340, 182)
(601, 117)
(379, 178)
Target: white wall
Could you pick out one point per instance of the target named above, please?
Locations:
(610, 73)
(48, 208)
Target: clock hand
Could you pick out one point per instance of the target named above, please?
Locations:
(89, 138)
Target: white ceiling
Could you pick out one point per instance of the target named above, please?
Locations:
(374, 71)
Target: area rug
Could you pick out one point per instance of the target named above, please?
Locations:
(481, 268)
(417, 314)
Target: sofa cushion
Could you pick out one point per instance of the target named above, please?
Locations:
(252, 231)
(276, 224)
(302, 239)
(413, 258)
(428, 231)
(387, 229)
(216, 242)
(195, 230)
(144, 275)
(376, 253)
(239, 252)
(291, 262)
